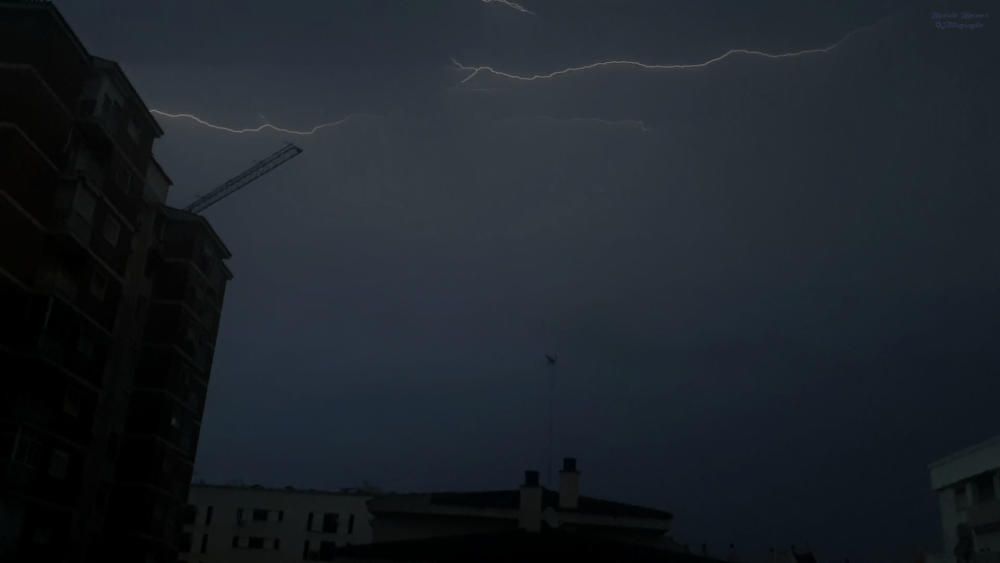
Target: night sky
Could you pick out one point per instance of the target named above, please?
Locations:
(772, 284)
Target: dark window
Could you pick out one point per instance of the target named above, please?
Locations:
(330, 523)
(239, 515)
(208, 516)
(984, 488)
(281, 516)
(113, 445)
(256, 543)
(309, 522)
(259, 515)
(327, 550)
(350, 524)
(185, 546)
(277, 543)
(190, 514)
(204, 543)
(236, 541)
(305, 550)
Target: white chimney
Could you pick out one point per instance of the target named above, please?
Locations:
(530, 503)
(569, 485)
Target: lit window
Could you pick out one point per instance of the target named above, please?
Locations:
(111, 231)
(84, 204)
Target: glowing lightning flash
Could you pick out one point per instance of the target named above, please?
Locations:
(476, 70)
(257, 129)
(511, 4)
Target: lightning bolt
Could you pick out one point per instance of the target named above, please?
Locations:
(511, 4)
(259, 128)
(477, 70)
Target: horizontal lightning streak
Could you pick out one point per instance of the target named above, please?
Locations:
(259, 128)
(511, 4)
(476, 70)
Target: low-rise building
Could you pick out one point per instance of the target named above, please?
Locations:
(236, 524)
(531, 508)
(968, 487)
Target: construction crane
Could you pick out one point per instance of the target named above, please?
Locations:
(240, 181)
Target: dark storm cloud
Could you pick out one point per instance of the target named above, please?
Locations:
(774, 307)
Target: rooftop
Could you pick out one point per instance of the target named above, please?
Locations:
(550, 545)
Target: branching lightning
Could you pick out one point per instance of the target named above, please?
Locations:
(477, 70)
(259, 128)
(511, 4)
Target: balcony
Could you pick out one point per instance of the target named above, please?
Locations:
(48, 329)
(27, 102)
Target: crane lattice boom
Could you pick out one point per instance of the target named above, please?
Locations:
(240, 181)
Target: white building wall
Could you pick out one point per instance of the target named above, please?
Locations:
(292, 531)
(961, 500)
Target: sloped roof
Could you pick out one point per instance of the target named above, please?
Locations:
(550, 545)
(509, 500)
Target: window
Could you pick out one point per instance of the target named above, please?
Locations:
(330, 523)
(281, 515)
(113, 445)
(111, 231)
(28, 452)
(256, 543)
(961, 498)
(305, 550)
(84, 204)
(985, 491)
(204, 540)
(350, 524)
(190, 515)
(42, 536)
(98, 284)
(309, 522)
(236, 540)
(58, 464)
(133, 131)
(327, 550)
(185, 546)
(277, 544)
(239, 515)
(208, 517)
(85, 346)
(71, 402)
(259, 515)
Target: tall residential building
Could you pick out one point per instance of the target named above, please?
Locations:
(967, 484)
(110, 302)
(228, 524)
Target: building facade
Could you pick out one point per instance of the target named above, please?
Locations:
(967, 484)
(103, 291)
(228, 524)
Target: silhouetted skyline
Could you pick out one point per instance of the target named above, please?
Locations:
(773, 303)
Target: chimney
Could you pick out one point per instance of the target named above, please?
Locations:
(569, 485)
(530, 503)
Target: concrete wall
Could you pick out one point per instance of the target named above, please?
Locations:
(962, 500)
(292, 530)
